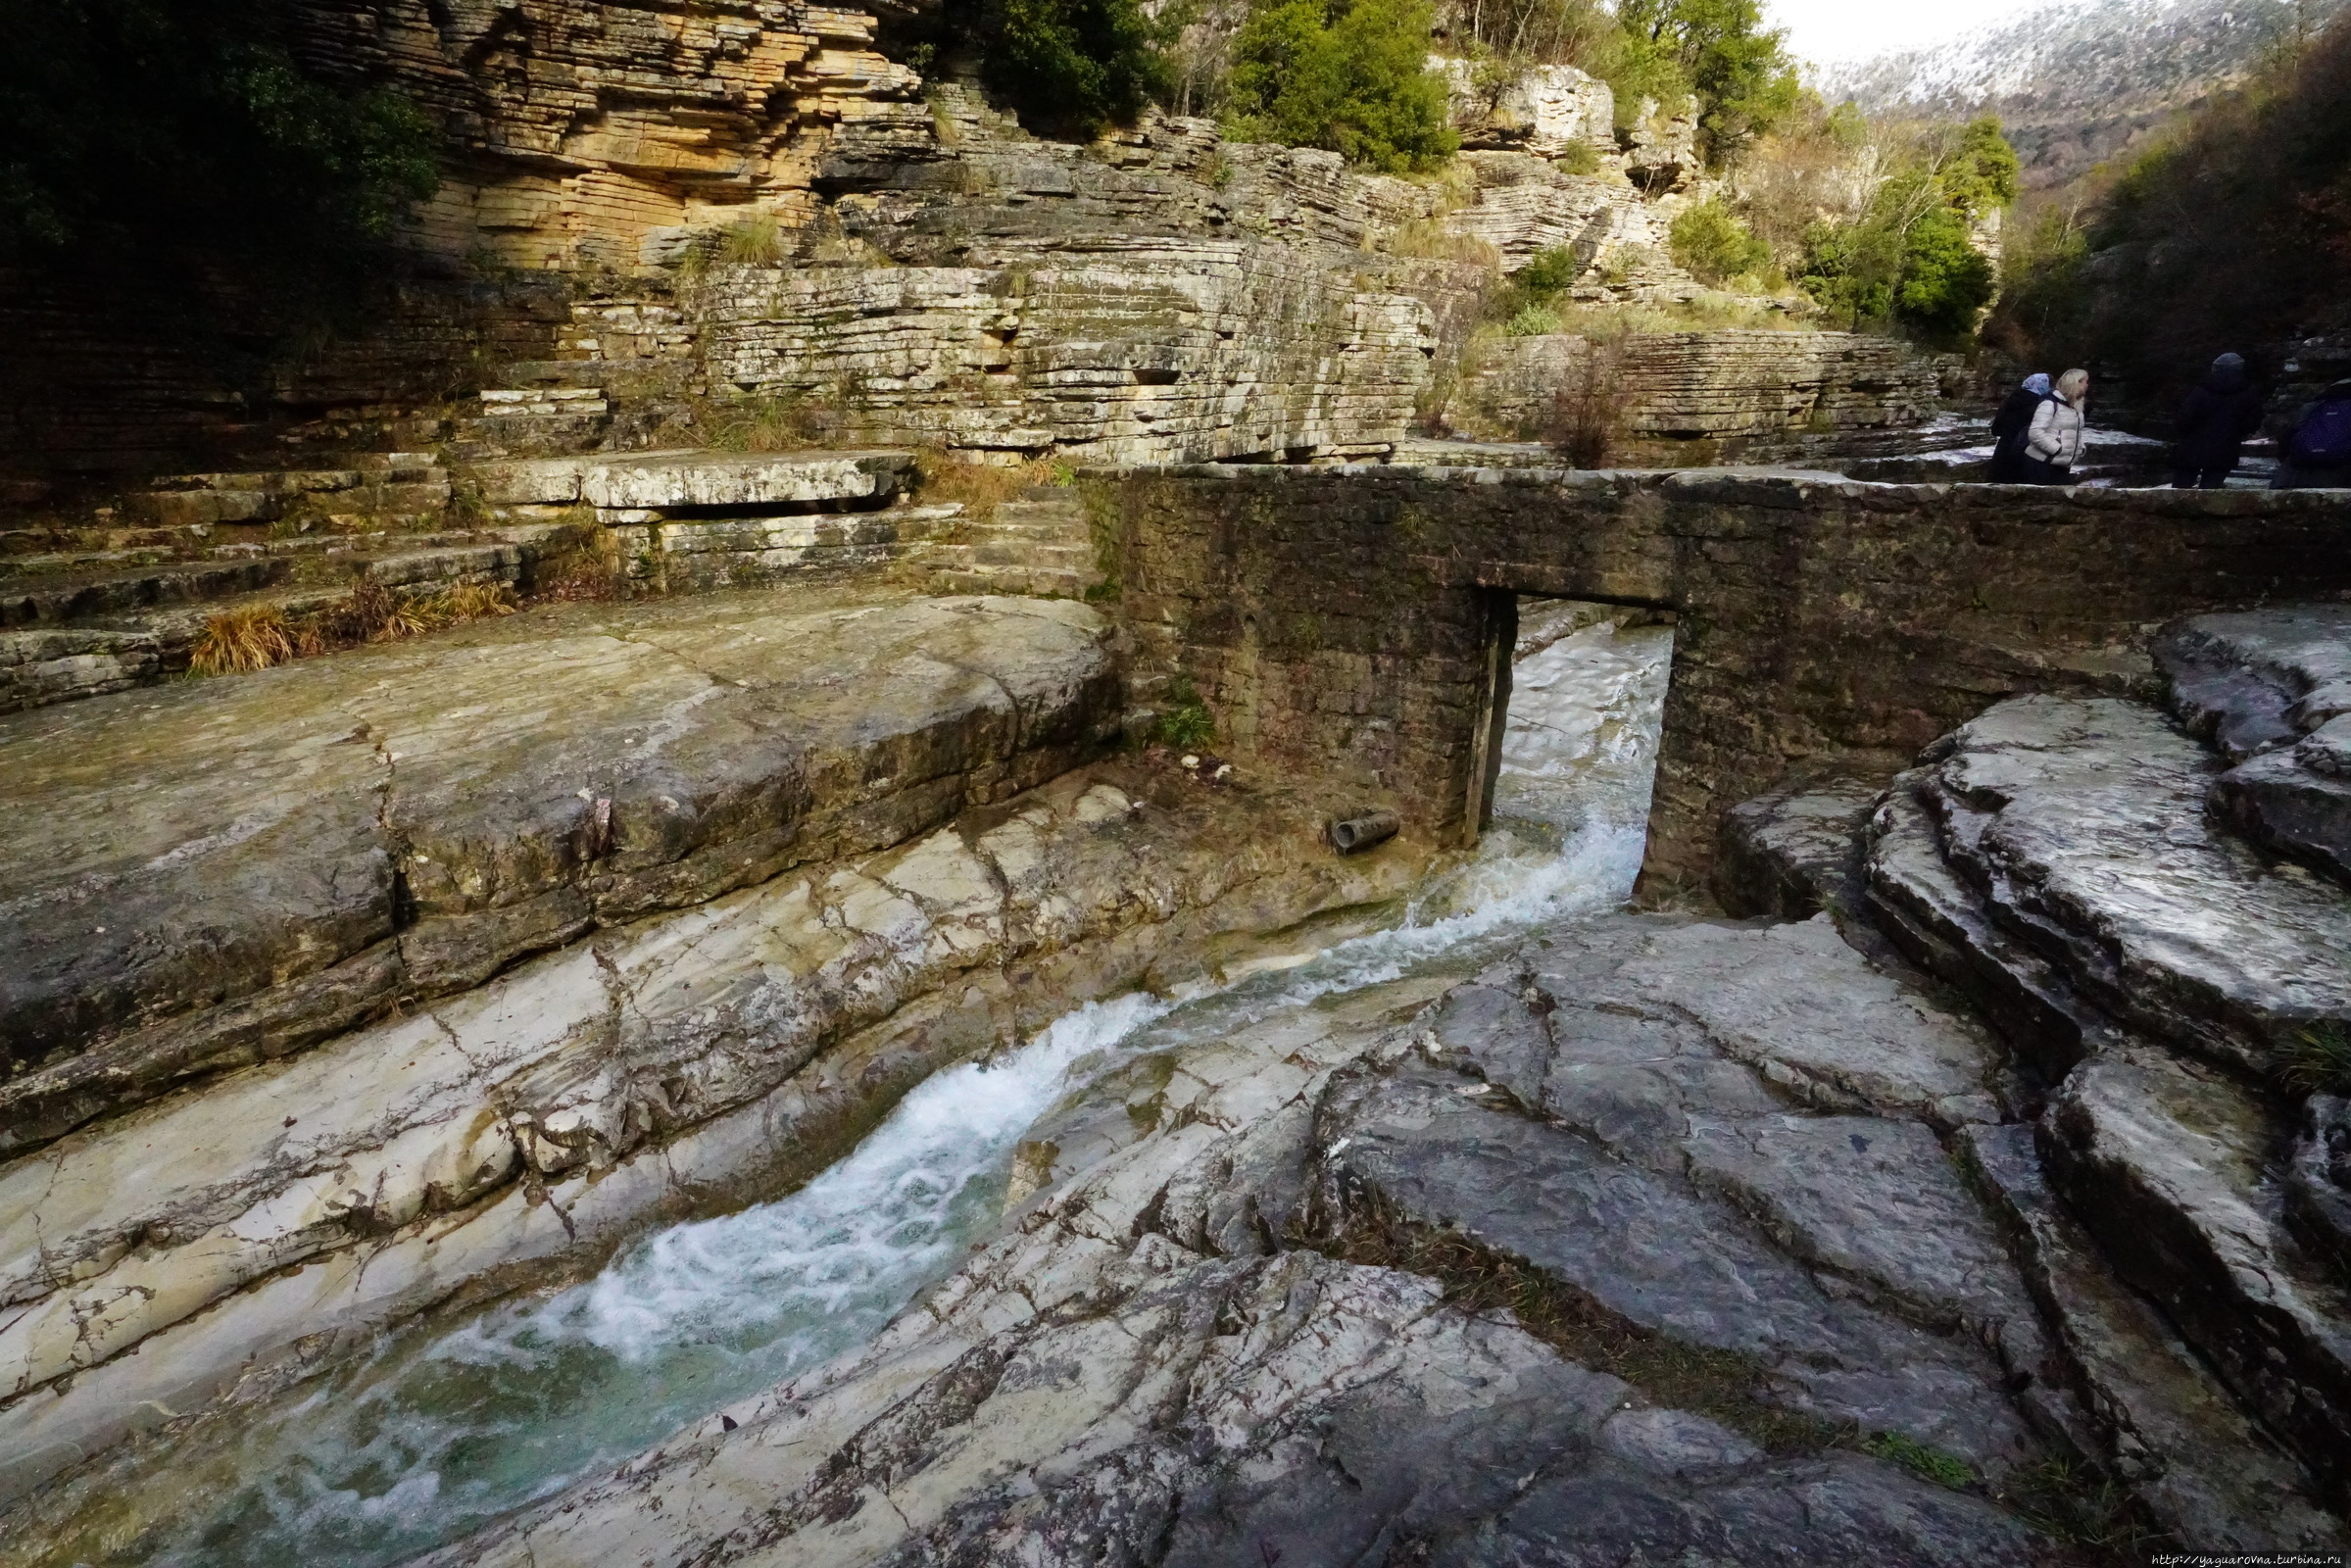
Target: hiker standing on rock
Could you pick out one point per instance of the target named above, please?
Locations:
(2318, 456)
(2012, 425)
(2054, 438)
(2214, 421)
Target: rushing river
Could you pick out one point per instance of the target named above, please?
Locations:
(455, 1421)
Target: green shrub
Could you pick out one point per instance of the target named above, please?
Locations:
(1070, 66)
(1581, 157)
(1740, 72)
(1714, 245)
(1945, 279)
(1349, 76)
(1551, 272)
(1533, 321)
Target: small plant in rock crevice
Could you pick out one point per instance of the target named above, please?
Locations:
(2318, 1059)
(1922, 1460)
(1187, 725)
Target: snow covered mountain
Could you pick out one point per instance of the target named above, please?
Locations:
(2078, 84)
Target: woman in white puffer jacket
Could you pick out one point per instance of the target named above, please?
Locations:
(2055, 438)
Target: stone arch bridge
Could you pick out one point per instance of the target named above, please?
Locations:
(1362, 616)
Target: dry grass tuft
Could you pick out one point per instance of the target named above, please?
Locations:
(1428, 239)
(982, 487)
(237, 642)
(240, 641)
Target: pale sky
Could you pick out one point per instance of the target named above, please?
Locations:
(1825, 30)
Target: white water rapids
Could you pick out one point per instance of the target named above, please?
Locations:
(455, 1421)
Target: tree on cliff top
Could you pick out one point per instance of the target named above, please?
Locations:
(1070, 66)
(1350, 76)
(147, 132)
(1738, 69)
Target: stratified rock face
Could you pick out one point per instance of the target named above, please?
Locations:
(591, 130)
(1140, 352)
(1544, 109)
(1734, 386)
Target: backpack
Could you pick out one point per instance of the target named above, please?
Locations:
(2324, 439)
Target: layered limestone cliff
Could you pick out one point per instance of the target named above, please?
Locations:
(752, 215)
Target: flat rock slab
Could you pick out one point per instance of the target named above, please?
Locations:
(662, 480)
(2082, 824)
(1662, 1255)
(204, 874)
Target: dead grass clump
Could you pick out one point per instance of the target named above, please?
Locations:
(982, 487)
(1588, 409)
(788, 421)
(1428, 239)
(586, 567)
(237, 642)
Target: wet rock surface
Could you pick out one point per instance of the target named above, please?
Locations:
(2080, 824)
(1123, 1379)
(206, 877)
(2271, 689)
(657, 1070)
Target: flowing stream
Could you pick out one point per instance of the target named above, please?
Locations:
(458, 1419)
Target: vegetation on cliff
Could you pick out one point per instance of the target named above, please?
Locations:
(1350, 76)
(1072, 66)
(2234, 235)
(152, 132)
(1880, 225)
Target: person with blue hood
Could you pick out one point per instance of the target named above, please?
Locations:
(2010, 426)
(2214, 420)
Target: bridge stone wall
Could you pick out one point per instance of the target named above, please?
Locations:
(1824, 626)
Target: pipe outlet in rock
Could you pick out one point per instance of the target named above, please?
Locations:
(1350, 834)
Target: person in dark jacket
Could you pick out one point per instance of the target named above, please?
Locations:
(2214, 421)
(2318, 456)
(2010, 426)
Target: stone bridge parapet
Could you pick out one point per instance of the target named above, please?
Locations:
(1824, 626)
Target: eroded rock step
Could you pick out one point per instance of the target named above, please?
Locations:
(203, 879)
(2207, 1474)
(2167, 1163)
(1130, 1375)
(532, 1124)
(2272, 689)
(2079, 825)
(1653, 1148)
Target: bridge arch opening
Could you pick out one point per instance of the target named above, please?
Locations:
(1570, 722)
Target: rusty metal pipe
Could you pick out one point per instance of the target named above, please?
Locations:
(1350, 834)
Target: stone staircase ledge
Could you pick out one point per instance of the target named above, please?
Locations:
(670, 479)
(2080, 823)
(2166, 1163)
